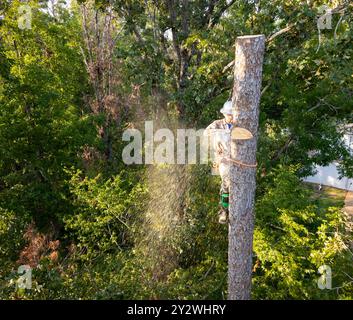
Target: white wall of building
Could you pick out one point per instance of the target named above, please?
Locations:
(329, 176)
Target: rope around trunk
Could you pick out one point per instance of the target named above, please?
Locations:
(241, 164)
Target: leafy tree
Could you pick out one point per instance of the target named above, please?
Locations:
(42, 115)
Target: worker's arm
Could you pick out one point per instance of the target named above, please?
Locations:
(208, 131)
(213, 128)
(213, 131)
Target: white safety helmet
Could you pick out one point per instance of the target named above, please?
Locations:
(227, 108)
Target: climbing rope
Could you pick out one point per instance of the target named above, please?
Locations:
(241, 164)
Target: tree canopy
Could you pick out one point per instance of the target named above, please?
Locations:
(92, 227)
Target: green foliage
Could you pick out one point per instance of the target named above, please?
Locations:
(11, 230)
(125, 235)
(105, 211)
(42, 125)
(293, 238)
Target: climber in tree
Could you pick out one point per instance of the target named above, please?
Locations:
(220, 132)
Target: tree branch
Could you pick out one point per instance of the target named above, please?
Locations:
(219, 13)
(278, 33)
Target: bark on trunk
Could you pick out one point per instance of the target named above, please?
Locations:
(249, 53)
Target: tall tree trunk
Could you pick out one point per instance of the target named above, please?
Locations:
(249, 53)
